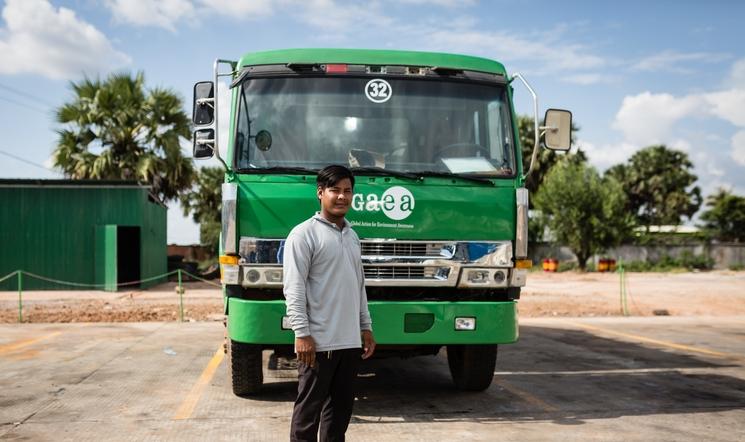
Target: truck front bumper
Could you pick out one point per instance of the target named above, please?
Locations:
(409, 322)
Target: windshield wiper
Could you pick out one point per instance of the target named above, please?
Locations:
(474, 179)
(278, 169)
(385, 172)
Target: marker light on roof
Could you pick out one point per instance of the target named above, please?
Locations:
(336, 68)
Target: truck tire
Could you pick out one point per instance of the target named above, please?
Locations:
(244, 368)
(472, 366)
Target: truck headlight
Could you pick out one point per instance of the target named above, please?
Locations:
(274, 275)
(499, 276)
(478, 276)
(252, 276)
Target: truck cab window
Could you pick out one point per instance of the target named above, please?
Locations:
(425, 125)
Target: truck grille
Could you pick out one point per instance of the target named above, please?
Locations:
(394, 272)
(402, 249)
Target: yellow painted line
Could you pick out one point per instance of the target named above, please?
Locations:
(603, 372)
(190, 402)
(13, 346)
(687, 348)
(525, 396)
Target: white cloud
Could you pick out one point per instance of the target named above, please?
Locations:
(554, 55)
(240, 8)
(648, 118)
(607, 155)
(544, 52)
(338, 17)
(737, 75)
(738, 148)
(160, 13)
(709, 167)
(713, 169)
(680, 144)
(728, 105)
(168, 14)
(672, 61)
(53, 42)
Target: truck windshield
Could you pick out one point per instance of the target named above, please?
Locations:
(399, 124)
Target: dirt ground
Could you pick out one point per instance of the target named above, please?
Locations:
(717, 293)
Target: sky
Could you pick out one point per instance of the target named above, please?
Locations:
(633, 73)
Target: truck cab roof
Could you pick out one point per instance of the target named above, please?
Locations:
(372, 57)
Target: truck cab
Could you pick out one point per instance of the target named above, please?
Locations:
(439, 203)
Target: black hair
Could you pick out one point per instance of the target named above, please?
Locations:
(331, 175)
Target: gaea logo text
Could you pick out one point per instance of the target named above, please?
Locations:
(397, 203)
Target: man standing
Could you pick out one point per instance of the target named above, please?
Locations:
(324, 287)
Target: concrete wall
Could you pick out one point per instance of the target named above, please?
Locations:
(724, 255)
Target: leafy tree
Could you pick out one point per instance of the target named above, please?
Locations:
(725, 218)
(117, 130)
(545, 159)
(659, 184)
(204, 202)
(585, 212)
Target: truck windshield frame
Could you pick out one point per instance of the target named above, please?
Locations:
(443, 125)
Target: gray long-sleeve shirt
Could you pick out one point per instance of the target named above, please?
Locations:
(324, 284)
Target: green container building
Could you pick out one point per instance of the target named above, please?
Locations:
(100, 233)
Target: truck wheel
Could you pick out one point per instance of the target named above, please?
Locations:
(244, 367)
(472, 366)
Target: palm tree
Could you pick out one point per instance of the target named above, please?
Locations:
(116, 130)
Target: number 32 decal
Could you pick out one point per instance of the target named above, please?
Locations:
(378, 91)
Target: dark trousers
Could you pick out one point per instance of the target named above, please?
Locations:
(325, 396)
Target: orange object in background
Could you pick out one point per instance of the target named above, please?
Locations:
(606, 265)
(603, 265)
(550, 265)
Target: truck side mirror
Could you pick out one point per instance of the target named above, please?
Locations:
(204, 144)
(204, 103)
(558, 129)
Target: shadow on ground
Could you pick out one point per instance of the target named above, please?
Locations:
(537, 380)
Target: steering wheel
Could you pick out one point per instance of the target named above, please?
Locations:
(476, 147)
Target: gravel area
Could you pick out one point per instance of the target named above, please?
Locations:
(716, 293)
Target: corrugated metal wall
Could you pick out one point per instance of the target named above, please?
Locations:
(48, 228)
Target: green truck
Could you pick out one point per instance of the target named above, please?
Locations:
(439, 205)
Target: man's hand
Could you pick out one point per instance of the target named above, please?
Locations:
(305, 348)
(368, 344)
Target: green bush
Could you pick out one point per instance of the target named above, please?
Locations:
(666, 263)
(566, 266)
(637, 266)
(737, 267)
(699, 262)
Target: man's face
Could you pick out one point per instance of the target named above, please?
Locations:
(337, 198)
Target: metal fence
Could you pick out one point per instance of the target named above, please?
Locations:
(21, 274)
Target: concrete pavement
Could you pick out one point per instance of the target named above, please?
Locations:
(671, 378)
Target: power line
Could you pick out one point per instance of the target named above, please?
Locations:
(24, 94)
(27, 106)
(23, 160)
